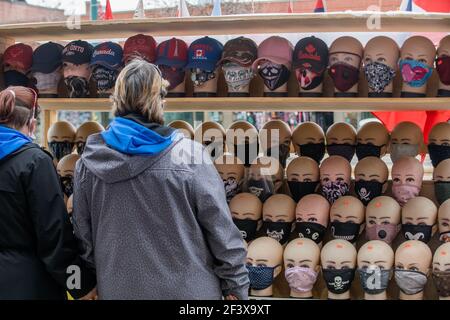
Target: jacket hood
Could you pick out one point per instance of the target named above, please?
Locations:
(11, 140)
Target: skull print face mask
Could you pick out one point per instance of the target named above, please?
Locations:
(338, 281)
(279, 231)
(274, 75)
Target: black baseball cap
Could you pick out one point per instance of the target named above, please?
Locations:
(78, 52)
(312, 50)
(47, 57)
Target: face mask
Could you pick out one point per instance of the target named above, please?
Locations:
(274, 75)
(367, 150)
(283, 153)
(15, 78)
(212, 147)
(78, 87)
(378, 76)
(438, 153)
(384, 232)
(301, 279)
(338, 281)
(247, 228)
(334, 190)
(80, 147)
(368, 190)
(67, 185)
(199, 77)
(263, 189)
(60, 149)
(344, 150)
(260, 277)
(47, 81)
(104, 78)
(444, 236)
(442, 191)
(279, 231)
(415, 73)
(246, 152)
(310, 230)
(307, 78)
(441, 281)
(237, 77)
(344, 76)
(299, 189)
(404, 192)
(410, 282)
(403, 150)
(374, 281)
(417, 232)
(345, 230)
(443, 69)
(315, 151)
(173, 75)
(231, 188)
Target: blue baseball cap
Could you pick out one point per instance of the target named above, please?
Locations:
(204, 53)
(47, 57)
(107, 54)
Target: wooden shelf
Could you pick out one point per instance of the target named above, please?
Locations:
(230, 25)
(264, 104)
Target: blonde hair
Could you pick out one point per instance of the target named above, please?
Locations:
(140, 89)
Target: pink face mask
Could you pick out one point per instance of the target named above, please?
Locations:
(383, 232)
(301, 279)
(404, 192)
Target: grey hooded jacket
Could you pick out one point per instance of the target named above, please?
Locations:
(157, 227)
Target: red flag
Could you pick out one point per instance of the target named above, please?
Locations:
(291, 7)
(108, 13)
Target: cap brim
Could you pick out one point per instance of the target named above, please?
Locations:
(241, 62)
(170, 63)
(276, 60)
(105, 64)
(208, 66)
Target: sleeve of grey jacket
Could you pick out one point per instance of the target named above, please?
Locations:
(224, 239)
(81, 216)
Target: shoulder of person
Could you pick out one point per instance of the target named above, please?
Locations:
(34, 152)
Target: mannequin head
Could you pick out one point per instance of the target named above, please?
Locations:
(231, 170)
(412, 266)
(406, 140)
(380, 64)
(246, 210)
(419, 217)
(309, 141)
(264, 177)
(61, 137)
(439, 143)
(47, 69)
(242, 140)
(184, 127)
(303, 177)
(341, 140)
(416, 64)
(335, 174)
(275, 140)
(441, 271)
(444, 221)
(347, 218)
(301, 262)
(84, 131)
(212, 135)
(106, 63)
(375, 262)
(66, 170)
(311, 216)
(407, 175)
(441, 178)
(383, 219)
(345, 59)
(443, 63)
(338, 259)
(278, 215)
(76, 58)
(264, 263)
(371, 175)
(372, 140)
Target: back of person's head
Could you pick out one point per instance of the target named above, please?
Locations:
(140, 89)
(18, 105)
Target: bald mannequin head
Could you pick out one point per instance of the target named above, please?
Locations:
(212, 136)
(347, 218)
(406, 140)
(303, 177)
(383, 219)
(312, 215)
(413, 255)
(66, 170)
(419, 219)
(341, 140)
(184, 127)
(84, 131)
(61, 139)
(309, 141)
(246, 210)
(441, 178)
(231, 170)
(441, 271)
(444, 221)
(275, 140)
(279, 208)
(439, 143)
(371, 175)
(335, 174)
(372, 140)
(443, 56)
(263, 177)
(407, 175)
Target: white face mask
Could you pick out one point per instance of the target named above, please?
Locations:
(48, 81)
(237, 78)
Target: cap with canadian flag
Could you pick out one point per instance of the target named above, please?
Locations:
(172, 53)
(204, 53)
(18, 56)
(140, 45)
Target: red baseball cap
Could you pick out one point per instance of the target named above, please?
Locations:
(173, 53)
(140, 45)
(19, 56)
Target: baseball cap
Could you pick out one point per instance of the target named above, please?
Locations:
(172, 53)
(275, 49)
(18, 56)
(78, 52)
(243, 51)
(140, 45)
(47, 57)
(312, 50)
(107, 54)
(204, 53)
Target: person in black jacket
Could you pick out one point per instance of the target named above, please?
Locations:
(38, 251)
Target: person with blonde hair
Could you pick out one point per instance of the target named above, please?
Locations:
(153, 220)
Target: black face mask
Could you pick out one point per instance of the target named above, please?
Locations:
(374, 281)
(438, 153)
(78, 87)
(263, 189)
(246, 152)
(15, 78)
(310, 230)
(338, 281)
(299, 189)
(345, 231)
(274, 75)
(367, 150)
(442, 191)
(67, 185)
(247, 228)
(80, 147)
(344, 150)
(417, 232)
(60, 149)
(279, 231)
(231, 186)
(283, 153)
(314, 151)
(368, 190)
(212, 147)
(104, 78)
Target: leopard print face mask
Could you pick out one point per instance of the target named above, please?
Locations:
(378, 75)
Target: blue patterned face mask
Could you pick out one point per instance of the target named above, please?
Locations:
(415, 73)
(260, 277)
